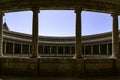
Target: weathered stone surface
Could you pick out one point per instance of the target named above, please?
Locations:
(59, 66)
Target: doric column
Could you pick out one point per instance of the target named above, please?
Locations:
(78, 45)
(1, 33)
(35, 11)
(115, 36)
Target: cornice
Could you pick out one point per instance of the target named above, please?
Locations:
(15, 36)
(91, 5)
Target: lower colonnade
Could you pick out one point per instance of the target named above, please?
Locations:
(51, 57)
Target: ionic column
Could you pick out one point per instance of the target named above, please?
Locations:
(43, 49)
(21, 49)
(99, 49)
(115, 36)
(78, 45)
(13, 48)
(84, 49)
(28, 49)
(64, 50)
(50, 50)
(57, 49)
(107, 49)
(35, 11)
(1, 33)
(70, 49)
(5, 48)
(91, 49)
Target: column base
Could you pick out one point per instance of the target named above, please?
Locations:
(1, 54)
(34, 56)
(80, 56)
(113, 56)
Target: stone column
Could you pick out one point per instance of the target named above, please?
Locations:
(70, 49)
(21, 49)
(115, 36)
(99, 49)
(35, 11)
(107, 49)
(50, 50)
(91, 49)
(28, 49)
(4, 47)
(13, 48)
(57, 49)
(1, 33)
(84, 49)
(78, 45)
(43, 49)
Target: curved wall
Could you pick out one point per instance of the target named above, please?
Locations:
(19, 44)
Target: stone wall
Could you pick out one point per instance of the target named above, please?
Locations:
(62, 66)
(100, 66)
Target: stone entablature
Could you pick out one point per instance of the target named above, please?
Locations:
(92, 5)
(16, 36)
(92, 45)
(60, 54)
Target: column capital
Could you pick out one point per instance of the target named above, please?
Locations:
(78, 10)
(35, 9)
(114, 14)
(2, 13)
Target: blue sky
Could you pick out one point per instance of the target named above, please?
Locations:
(59, 22)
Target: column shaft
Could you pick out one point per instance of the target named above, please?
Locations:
(115, 36)
(1, 33)
(5, 48)
(107, 49)
(91, 49)
(35, 33)
(78, 45)
(99, 49)
(13, 48)
(21, 49)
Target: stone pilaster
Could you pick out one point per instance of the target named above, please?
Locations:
(35, 11)
(115, 36)
(78, 45)
(1, 33)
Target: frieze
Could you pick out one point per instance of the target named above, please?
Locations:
(60, 4)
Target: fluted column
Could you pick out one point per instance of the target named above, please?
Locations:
(78, 45)
(35, 11)
(115, 36)
(1, 33)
